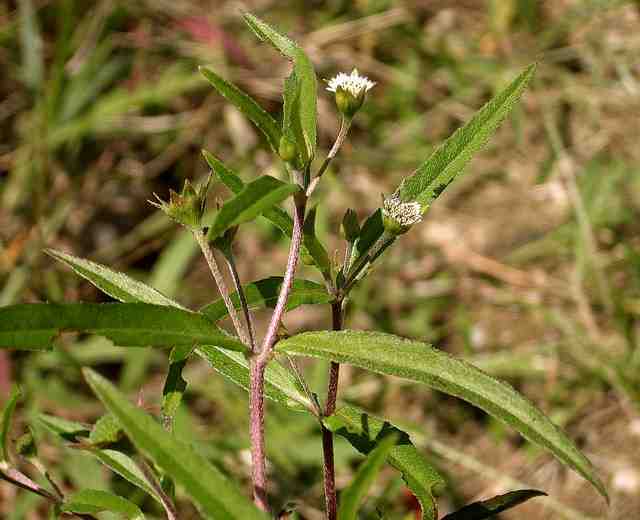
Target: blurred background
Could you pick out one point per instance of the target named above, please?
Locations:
(529, 266)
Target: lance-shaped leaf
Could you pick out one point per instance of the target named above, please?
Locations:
(217, 497)
(7, 415)
(264, 294)
(416, 361)
(450, 158)
(34, 326)
(93, 501)
(255, 198)
(115, 284)
(489, 508)
(352, 495)
(281, 385)
(305, 107)
(174, 385)
(120, 463)
(291, 127)
(277, 216)
(364, 432)
(247, 105)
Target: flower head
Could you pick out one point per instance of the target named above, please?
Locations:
(350, 91)
(186, 208)
(352, 83)
(399, 216)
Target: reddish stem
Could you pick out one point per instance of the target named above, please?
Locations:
(260, 360)
(330, 494)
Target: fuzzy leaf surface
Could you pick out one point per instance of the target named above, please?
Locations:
(281, 385)
(93, 501)
(247, 105)
(307, 84)
(450, 158)
(419, 362)
(364, 432)
(255, 198)
(264, 294)
(489, 508)
(35, 325)
(117, 285)
(217, 497)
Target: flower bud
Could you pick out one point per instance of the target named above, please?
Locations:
(287, 149)
(350, 91)
(187, 207)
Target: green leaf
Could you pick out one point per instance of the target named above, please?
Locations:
(35, 325)
(7, 414)
(313, 246)
(67, 430)
(264, 293)
(351, 497)
(217, 497)
(291, 128)
(305, 75)
(364, 432)
(92, 501)
(450, 158)
(255, 198)
(281, 385)
(115, 284)
(276, 215)
(247, 105)
(126, 467)
(32, 70)
(493, 506)
(174, 384)
(391, 355)
(123, 465)
(106, 430)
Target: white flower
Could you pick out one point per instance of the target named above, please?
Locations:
(353, 83)
(404, 214)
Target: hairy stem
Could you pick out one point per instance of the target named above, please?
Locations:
(259, 361)
(222, 286)
(345, 124)
(327, 436)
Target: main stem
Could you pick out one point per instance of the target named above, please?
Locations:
(259, 361)
(327, 437)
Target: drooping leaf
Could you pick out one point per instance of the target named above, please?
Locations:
(353, 494)
(388, 354)
(264, 294)
(115, 284)
(255, 198)
(92, 501)
(281, 385)
(364, 432)
(450, 158)
(7, 415)
(307, 83)
(34, 326)
(247, 105)
(217, 497)
(489, 508)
